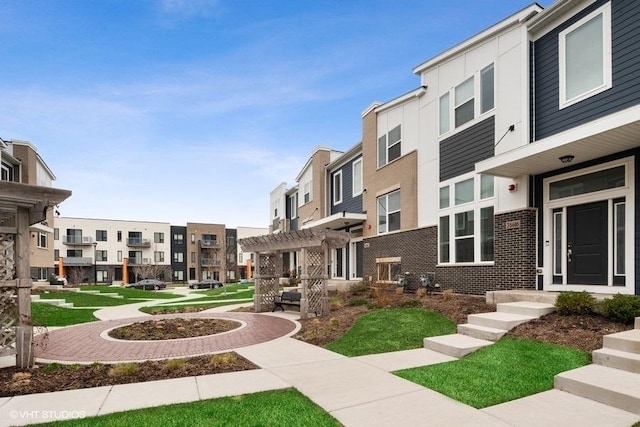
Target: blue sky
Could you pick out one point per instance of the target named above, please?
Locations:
(194, 110)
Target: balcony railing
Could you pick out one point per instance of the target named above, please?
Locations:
(209, 244)
(139, 261)
(210, 262)
(77, 240)
(76, 261)
(138, 242)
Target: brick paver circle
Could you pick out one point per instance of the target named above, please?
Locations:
(89, 343)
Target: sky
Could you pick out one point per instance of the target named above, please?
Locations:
(194, 110)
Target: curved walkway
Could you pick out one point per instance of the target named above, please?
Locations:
(89, 342)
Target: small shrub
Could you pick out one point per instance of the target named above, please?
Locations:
(447, 294)
(572, 302)
(334, 323)
(412, 303)
(421, 293)
(360, 288)
(358, 301)
(123, 370)
(222, 359)
(335, 303)
(621, 308)
(175, 365)
(51, 367)
(382, 297)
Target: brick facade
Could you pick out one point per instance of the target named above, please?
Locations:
(514, 256)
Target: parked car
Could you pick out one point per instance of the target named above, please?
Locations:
(207, 284)
(148, 285)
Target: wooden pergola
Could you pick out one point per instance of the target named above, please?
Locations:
(315, 249)
(21, 206)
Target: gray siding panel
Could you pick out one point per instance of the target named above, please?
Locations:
(459, 153)
(349, 203)
(549, 119)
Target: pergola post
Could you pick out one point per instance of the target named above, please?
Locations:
(304, 281)
(24, 329)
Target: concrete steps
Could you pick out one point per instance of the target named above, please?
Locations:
(614, 376)
(57, 302)
(614, 387)
(481, 332)
(526, 308)
(498, 320)
(455, 345)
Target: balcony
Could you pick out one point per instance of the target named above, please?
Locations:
(77, 261)
(139, 261)
(213, 244)
(77, 240)
(138, 242)
(210, 262)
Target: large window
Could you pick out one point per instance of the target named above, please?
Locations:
(468, 100)
(308, 194)
(466, 228)
(337, 188)
(101, 235)
(101, 256)
(42, 240)
(158, 256)
(294, 205)
(389, 212)
(357, 177)
(158, 237)
(589, 183)
(585, 57)
(390, 146)
(178, 257)
(388, 269)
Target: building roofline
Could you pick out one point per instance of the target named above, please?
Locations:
(517, 18)
(547, 16)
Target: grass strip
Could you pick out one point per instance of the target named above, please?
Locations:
(232, 296)
(270, 408)
(131, 293)
(224, 289)
(50, 315)
(509, 369)
(182, 307)
(80, 299)
(382, 331)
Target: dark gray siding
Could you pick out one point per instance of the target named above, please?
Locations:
(459, 153)
(549, 119)
(349, 203)
(179, 247)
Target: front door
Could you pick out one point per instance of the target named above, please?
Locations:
(587, 243)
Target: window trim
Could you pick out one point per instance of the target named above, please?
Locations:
(607, 67)
(335, 200)
(388, 146)
(40, 237)
(307, 192)
(386, 196)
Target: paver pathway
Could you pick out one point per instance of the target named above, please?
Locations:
(89, 342)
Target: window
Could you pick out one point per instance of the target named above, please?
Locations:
(101, 235)
(56, 234)
(42, 240)
(357, 177)
(119, 236)
(619, 238)
(178, 257)
(275, 208)
(294, 205)
(390, 146)
(193, 237)
(464, 110)
(74, 253)
(445, 109)
(389, 212)
(178, 239)
(119, 254)
(7, 172)
(388, 269)
(158, 237)
(444, 197)
(56, 254)
(557, 243)
(486, 89)
(590, 183)
(337, 188)
(178, 275)
(193, 257)
(466, 228)
(102, 276)
(585, 57)
(42, 273)
(308, 196)
(101, 256)
(240, 257)
(158, 256)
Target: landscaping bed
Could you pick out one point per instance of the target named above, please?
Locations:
(168, 329)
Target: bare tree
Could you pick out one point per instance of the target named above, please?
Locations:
(151, 271)
(75, 275)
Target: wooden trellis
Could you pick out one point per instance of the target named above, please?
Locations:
(314, 246)
(21, 206)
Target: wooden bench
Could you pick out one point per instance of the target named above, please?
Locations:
(286, 298)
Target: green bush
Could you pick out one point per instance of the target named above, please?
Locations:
(575, 303)
(621, 308)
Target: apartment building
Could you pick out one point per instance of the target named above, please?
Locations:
(510, 166)
(112, 251)
(20, 162)
(207, 253)
(246, 260)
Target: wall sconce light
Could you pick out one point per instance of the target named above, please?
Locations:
(566, 159)
(512, 187)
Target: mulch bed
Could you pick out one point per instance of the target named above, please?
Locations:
(169, 329)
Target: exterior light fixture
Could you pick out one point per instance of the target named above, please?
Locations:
(566, 159)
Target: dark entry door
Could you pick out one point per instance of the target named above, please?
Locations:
(587, 244)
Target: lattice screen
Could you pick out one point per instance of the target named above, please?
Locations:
(268, 287)
(316, 289)
(7, 257)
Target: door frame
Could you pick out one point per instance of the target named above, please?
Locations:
(627, 192)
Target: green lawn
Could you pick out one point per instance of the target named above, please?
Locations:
(131, 293)
(271, 408)
(509, 369)
(219, 297)
(397, 329)
(50, 315)
(224, 289)
(81, 299)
